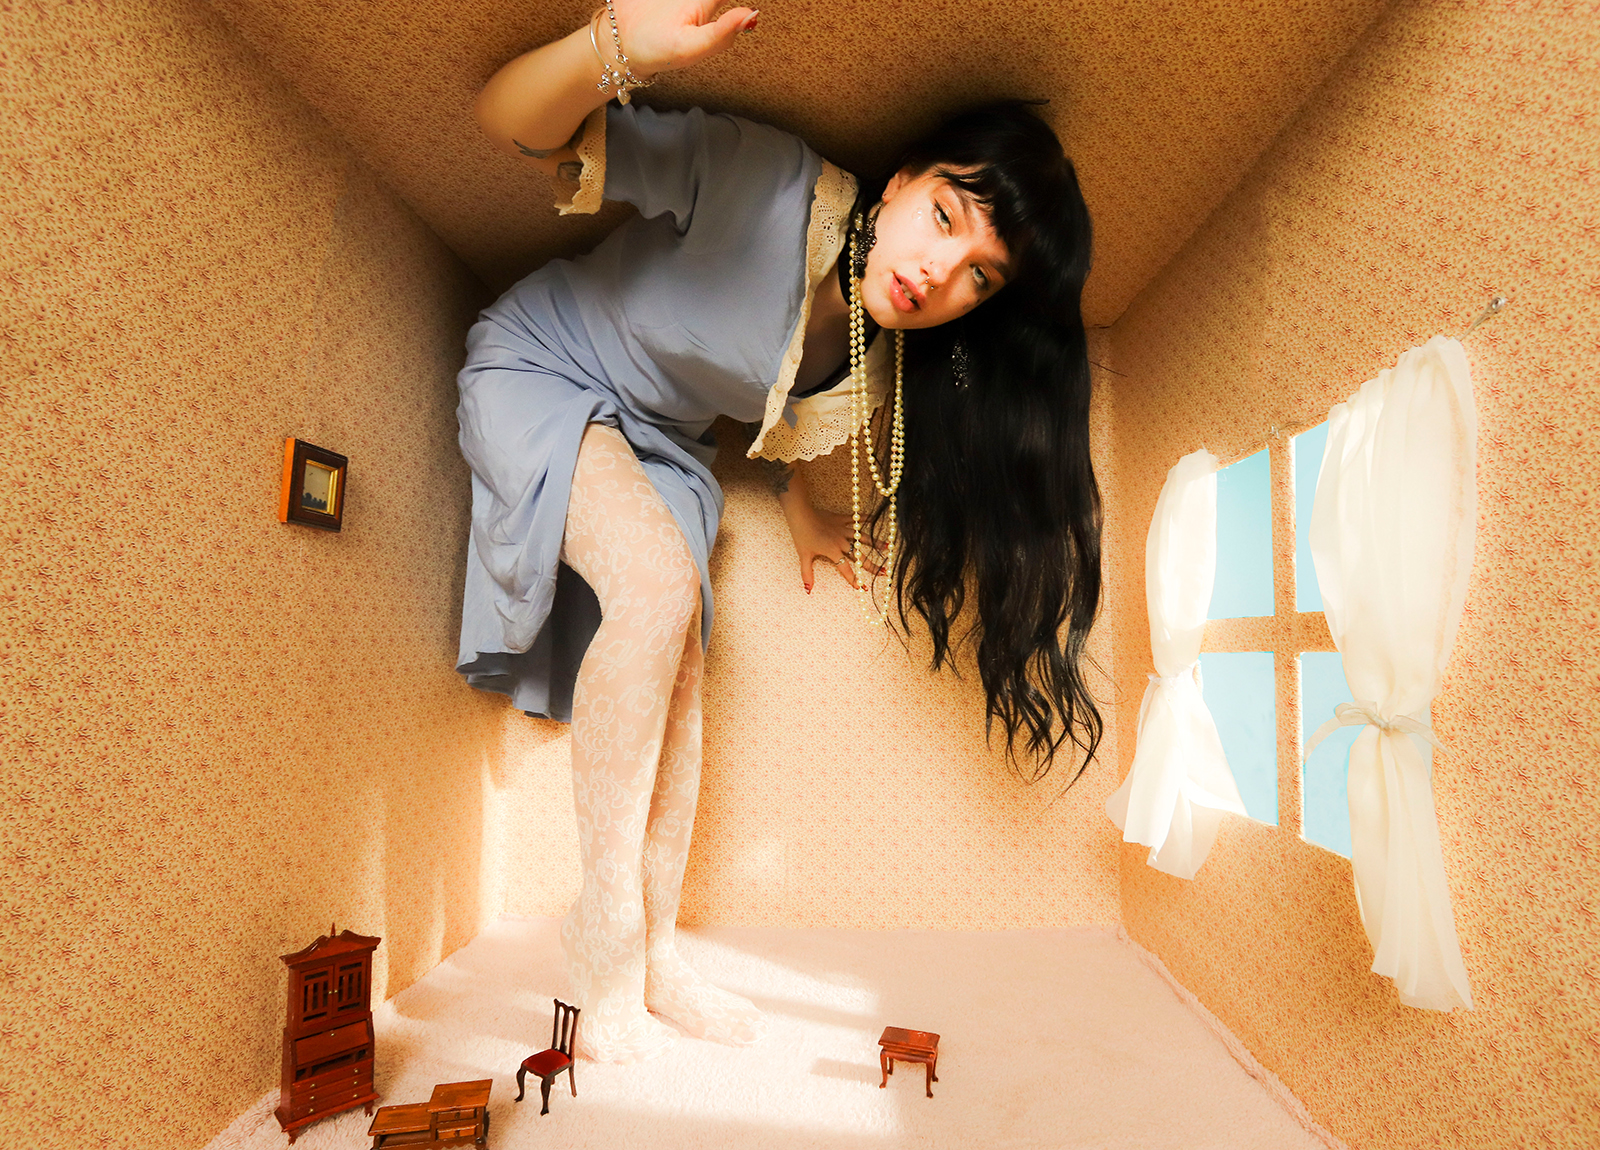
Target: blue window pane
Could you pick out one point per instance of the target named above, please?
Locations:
(1308, 449)
(1327, 804)
(1241, 692)
(1244, 540)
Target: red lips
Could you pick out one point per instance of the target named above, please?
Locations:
(905, 296)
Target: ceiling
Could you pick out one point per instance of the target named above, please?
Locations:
(1163, 104)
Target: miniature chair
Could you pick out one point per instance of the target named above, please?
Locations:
(547, 1064)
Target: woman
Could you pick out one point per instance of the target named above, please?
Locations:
(586, 400)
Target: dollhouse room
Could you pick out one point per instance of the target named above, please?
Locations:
(1344, 305)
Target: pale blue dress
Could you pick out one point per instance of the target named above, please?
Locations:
(691, 310)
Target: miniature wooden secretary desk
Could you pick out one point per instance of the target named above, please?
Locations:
(327, 1041)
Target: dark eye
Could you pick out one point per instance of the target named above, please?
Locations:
(941, 217)
(983, 280)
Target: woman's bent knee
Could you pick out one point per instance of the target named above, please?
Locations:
(678, 593)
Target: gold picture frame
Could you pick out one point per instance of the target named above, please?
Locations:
(313, 485)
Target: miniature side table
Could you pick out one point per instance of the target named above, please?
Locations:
(456, 1115)
(394, 1123)
(909, 1046)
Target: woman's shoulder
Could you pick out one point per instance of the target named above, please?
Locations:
(716, 136)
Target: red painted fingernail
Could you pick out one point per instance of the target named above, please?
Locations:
(808, 588)
(750, 24)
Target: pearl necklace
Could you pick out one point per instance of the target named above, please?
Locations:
(861, 422)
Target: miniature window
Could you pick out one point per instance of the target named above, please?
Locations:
(1243, 584)
(1239, 690)
(1326, 797)
(1240, 687)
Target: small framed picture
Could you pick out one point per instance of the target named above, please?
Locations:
(313, 485)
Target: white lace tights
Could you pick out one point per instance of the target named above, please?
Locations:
(636, 767)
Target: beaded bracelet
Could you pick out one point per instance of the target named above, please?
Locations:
(619, 76)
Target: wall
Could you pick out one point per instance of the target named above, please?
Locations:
(1452, 155)
(823, 741)
(220, 733)
(1163, 105)
(844, 785)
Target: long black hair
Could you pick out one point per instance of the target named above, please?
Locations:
(999, 494)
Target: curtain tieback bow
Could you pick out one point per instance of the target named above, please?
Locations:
(1192, 671)
(1366, 714)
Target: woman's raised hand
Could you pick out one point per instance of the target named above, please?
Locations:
(533, 105)
(665, 35)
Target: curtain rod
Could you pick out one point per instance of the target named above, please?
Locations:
(1493, 308)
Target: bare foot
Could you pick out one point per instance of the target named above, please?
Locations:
(673, 990)
(608, 987)
(623, 1036)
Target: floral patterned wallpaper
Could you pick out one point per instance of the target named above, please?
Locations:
(220, 733)
(1164, 106)
(847, 786)
(1454, 154)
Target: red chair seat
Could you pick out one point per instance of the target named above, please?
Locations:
(546, 1062)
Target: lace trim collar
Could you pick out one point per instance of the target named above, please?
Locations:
(832, 199)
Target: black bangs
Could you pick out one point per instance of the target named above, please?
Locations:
(1009, 160)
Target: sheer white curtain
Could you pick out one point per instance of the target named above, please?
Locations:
(1179, 785)
(1392, 535)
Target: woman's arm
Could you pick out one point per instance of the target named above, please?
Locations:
(824, 535)
(534, 106)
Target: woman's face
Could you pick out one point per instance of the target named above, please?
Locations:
(937, 256)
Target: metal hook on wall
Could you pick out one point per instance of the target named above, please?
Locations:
(1492, 309)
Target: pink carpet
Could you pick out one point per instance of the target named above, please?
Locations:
(1050, 1038)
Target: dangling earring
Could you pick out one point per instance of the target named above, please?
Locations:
(867, 231)
(960, 363)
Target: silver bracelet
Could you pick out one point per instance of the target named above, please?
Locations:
(620, 76)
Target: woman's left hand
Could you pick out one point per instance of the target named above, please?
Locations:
(824, 535)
